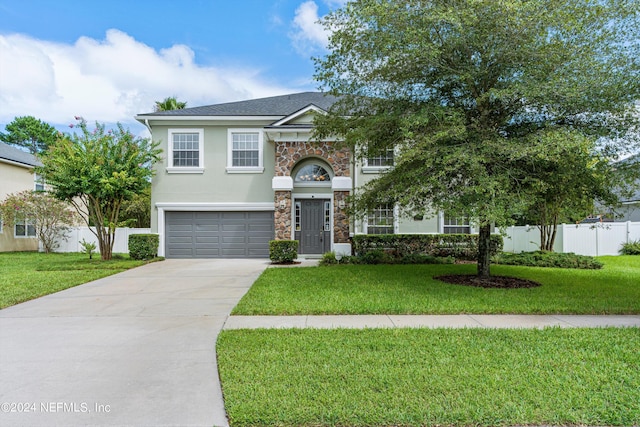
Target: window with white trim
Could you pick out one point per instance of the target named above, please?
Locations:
(24, 227)
(380, 220)
(327, 216)
(186, 151)
(244, 148)
(298, 214)
(456, 225)
(377, 164)
(39, 183)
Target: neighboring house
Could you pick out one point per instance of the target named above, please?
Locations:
(239, 174)
(16, 175)
(630, 204)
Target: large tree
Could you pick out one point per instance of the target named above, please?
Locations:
(569, 181)
(30, 133)
(97, 170)
(464, 90)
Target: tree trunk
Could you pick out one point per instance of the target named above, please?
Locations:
(484, 251)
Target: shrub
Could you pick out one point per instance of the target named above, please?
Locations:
(328, 258)
(631, 248)
(549, 259)
(88, 248)
(283, 251)
(376, 256)
(425, 259)
(462, 246)
(143, 246)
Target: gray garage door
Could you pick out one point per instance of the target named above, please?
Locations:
(218, 234)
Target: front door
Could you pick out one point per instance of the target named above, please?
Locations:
(315, 226)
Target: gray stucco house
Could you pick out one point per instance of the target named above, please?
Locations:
(239, 174)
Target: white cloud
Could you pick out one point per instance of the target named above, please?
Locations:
(112, 79)
(308, 36)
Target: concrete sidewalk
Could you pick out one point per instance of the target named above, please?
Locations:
(133, 349)
(431, 321)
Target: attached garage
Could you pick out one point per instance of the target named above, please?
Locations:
(218, 234)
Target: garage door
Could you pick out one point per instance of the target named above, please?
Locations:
(218, 234)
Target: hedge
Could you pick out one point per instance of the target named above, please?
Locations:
(143, 246)
(460, 246)
(283, 251)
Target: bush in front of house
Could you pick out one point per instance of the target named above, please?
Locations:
(283, 251)
(143, 246)
(549, 259)
(630, 248)
(398, 246)
(329, 258)
(379, 256)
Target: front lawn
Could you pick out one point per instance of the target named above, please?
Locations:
(410, 289)
(419, 377)
(29, 275)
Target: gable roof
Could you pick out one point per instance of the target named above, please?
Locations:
(10, 154)
(282, 105)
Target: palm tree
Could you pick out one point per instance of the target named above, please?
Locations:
(169, 103)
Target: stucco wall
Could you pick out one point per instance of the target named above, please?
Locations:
(14, 179)
(215, 184)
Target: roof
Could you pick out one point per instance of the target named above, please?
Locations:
(282, 105)
(15, 155)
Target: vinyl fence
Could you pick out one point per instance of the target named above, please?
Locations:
(77, 234)
(584, 239)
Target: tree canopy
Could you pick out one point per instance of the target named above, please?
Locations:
(30, 133)
(169, 103)
(97, 171)
(466, 90)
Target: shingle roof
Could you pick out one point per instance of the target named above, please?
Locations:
(282, 105)
(13, 154)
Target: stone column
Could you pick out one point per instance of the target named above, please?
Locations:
(282, 187)
(340, 218)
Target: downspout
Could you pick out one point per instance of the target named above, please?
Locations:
(146, 123)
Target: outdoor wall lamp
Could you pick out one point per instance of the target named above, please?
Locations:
(342, 204)
(283, 204)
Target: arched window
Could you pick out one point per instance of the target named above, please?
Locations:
(312, 173)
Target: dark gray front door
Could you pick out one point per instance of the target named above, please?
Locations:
(315, 231)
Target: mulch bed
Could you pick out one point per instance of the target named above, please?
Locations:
(500, 282)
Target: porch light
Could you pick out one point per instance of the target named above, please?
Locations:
(342, 204)
(283, 204)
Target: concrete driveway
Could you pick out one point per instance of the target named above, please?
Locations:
(136, 348)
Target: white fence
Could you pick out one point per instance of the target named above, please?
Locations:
(77, 234)
(584, 239)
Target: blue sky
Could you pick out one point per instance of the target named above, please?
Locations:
(110, 60)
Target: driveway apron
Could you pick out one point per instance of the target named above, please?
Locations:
(136, 348)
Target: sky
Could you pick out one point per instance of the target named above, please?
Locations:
(110, 60)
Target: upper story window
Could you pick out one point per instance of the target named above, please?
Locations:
(380, 220)
(374, 164)
(244, 148)
(186, 151)
(456, 225)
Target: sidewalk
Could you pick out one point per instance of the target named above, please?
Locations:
(431, 321)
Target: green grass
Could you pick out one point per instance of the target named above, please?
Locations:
(410, 289)
(420, 377)
(29, 275)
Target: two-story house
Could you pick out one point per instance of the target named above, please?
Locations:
(239, 174)
(16, 175)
